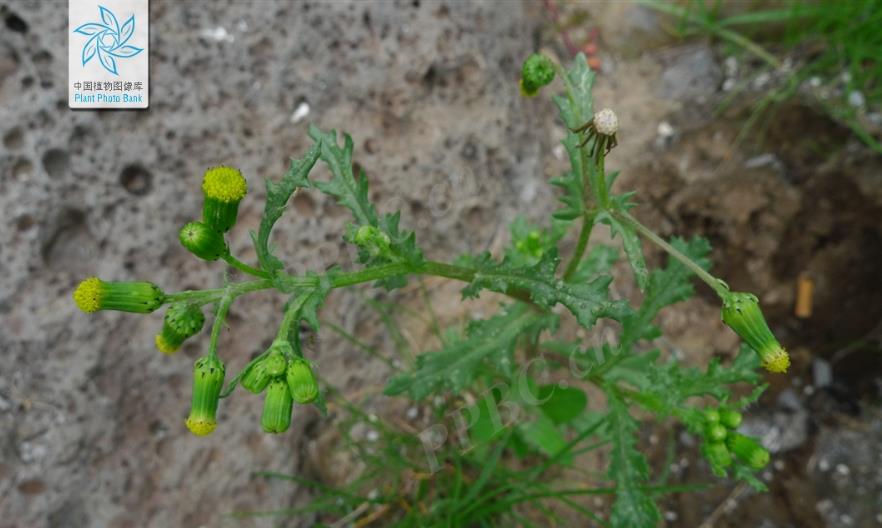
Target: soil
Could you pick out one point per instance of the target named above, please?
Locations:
(91, 416)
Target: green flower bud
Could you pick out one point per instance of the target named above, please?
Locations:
(203, 241)
(182, 321)
(277, 359)
(712, 416)
(257, 378)
(372, 240)
(741, 312)
(715, 433)
(224, 188)
(94, 294)
(717, 454)
(538, 71)
(302, 382)
(277, 406)
(748, 450)
(208, 380)
(731, 419)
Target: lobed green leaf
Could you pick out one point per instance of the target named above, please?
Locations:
(628, 468)
(456, 365)
(277, 196)
(587, 301)
(664, 287)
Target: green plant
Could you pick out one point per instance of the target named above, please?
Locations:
(828, 42)
(512, 392)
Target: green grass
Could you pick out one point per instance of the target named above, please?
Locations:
(839, 42)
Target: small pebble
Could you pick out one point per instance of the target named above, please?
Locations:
(856, 99)
(300, 112)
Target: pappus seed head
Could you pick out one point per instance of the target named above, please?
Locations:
(606, 122)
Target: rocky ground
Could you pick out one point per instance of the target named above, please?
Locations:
(91, 415)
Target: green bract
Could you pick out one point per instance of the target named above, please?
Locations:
(717, 454)
(256, 378)
(94, 294)
(182, 321)
(731, 419)
(742, 313)
(748, 450)
(208, 379)
(301, 382)
(277, 405)
(715, 433)
(223, 187)
(276, 360)
(203, 241)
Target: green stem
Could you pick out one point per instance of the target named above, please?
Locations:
(219, 319)
(584, 235)
(245, 268)
(214, 295)
(716, 284)
(291, 315)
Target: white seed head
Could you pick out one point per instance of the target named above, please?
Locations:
(606, 122)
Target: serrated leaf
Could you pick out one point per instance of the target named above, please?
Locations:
(562, 404)
(587, 301)
(315, 298)
(665, 287)
(634, 369)
(277, 196)
(672, 384)
(455, 366)
(628, 468)
(352, 192)
(577, 107)
(633, 248)
(573, 197)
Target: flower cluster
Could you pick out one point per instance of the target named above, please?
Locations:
(721, 441)
(281, 371)
(286, 378)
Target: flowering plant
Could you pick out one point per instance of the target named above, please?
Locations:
(499, 351)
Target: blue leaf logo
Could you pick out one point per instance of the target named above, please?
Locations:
(108, 40)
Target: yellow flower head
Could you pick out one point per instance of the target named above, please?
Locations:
(200, 426)
(776, 360)
(94, 294)
(225, 184)
(164, 346)
(88, 295)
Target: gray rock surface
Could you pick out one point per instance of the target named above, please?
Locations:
(91, 416)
